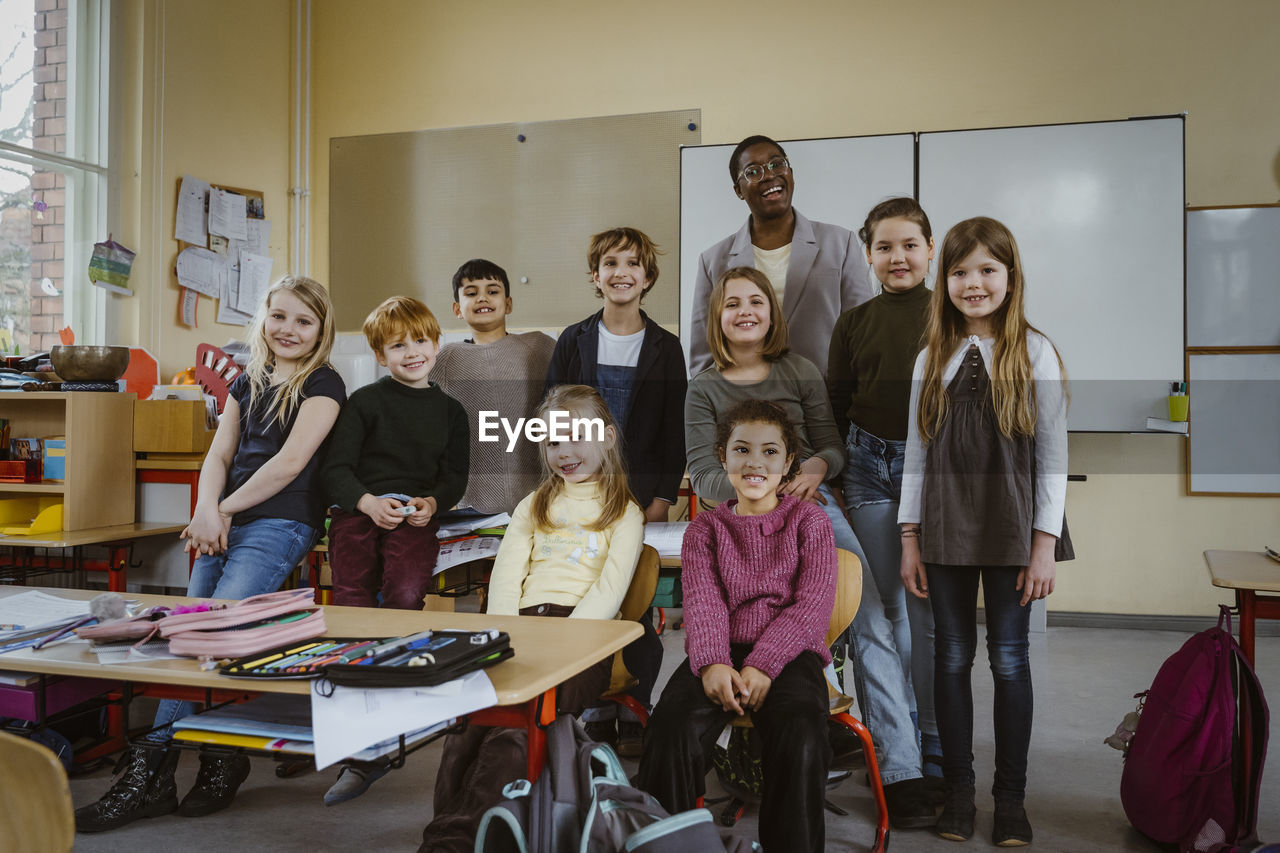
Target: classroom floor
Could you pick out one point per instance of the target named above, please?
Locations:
(1084, 678)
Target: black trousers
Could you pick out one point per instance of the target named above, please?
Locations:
(792, 725)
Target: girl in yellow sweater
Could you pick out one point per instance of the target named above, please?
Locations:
(570, 550)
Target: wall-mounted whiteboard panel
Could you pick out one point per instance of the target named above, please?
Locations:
(1235, 423)
(406, 209)
(1233, 277)
(1097, 210)
(836, 181)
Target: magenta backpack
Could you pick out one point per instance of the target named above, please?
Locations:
(1194, 766)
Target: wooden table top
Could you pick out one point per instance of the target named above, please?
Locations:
(94, 535)
(547, 651)
(1243, 570)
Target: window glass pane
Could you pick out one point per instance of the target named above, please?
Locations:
(36, 221)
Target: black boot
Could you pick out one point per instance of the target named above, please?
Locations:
(958, 811)
(216, 784)
(1011, 828)
(145, 788)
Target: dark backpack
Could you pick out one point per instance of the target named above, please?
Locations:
(582, 801)
(1194, 766)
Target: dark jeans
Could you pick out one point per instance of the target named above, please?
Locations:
(792, 725)
(478, 763)
(367, 559)
(954, 593)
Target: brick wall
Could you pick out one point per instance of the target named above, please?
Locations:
(49, 133)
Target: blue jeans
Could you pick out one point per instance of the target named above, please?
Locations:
(878, 678)
(954, 593)
(872, 489)
(260, 555)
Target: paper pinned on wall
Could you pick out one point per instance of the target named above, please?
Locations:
(191, 224)
(203, 271)
(227, 312)
(255, 278)
(190, 301)
(259, 236)
(228, 213)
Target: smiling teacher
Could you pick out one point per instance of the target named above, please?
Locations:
(816, 269)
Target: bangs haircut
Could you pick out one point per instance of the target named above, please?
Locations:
(759, 412)
(284, 399)
(477, 269)
(740, 149)
(776, 340)
(621, 239)
(400, 317)
(582, 401)
(902, 207)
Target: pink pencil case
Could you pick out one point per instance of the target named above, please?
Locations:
(252, 609)
(240, 640)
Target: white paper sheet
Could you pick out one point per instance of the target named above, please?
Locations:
(202, 270)
(352, 718)
(227, 214)
(463, 526)
(191, 224)
(34, 608)
(259, 239)
(255, 279)
(230, 316)
(456, 553)
(190, 301)
(665, 537)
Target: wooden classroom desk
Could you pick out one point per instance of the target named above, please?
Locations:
(1248, 573)
(117, 539)
(547, 652)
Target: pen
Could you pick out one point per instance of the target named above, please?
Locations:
(62, 632)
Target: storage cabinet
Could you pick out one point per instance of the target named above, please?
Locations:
(98, 490)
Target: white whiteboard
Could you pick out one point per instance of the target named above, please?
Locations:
(1233, 277)
(836, 181)
(1235, 423)
(1097, 210)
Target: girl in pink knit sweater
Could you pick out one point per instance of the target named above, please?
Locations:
(759, 585)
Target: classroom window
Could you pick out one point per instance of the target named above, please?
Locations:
(53, 169)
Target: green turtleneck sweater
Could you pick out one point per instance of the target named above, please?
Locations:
(873, 349)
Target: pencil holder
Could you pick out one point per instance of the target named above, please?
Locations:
(1179, 406)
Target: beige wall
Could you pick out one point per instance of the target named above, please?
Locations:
(205, 92)
(811, 68)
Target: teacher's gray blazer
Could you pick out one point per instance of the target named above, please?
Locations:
(826, 277)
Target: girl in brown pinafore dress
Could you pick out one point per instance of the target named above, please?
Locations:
(983, 497)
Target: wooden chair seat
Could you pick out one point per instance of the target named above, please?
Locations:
(37, 815)
(634, 604)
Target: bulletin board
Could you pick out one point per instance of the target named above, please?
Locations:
(1234, 446)
(232, 271)
(1233, 350)
(407, 209)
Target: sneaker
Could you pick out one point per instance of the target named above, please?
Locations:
(1011, 829)
(144, 788)
(630, 739)
(603, 731)
(908, 808)
(217, 781)
(956, 821)
(352, 782)
(846, 748)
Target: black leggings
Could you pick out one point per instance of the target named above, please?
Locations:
(792, 725)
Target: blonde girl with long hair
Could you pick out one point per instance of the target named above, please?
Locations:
(258, 512)
(570, 551)
(983, 499)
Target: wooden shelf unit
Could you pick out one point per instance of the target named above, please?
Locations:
(99, 487)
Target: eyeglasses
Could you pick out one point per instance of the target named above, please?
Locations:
(754, 174)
